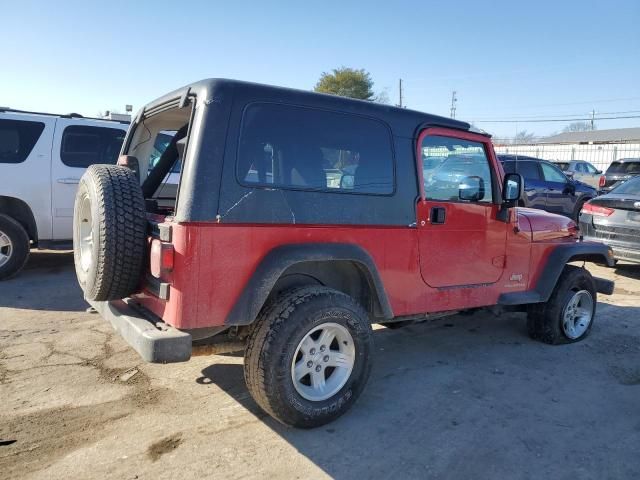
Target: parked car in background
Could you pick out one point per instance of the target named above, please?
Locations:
(614, 219)
(42, 157)
(620, 171)
(547, 187)
(582, 171)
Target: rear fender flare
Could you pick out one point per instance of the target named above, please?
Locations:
(277, 261)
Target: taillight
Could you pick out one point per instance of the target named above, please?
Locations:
(161, 258)
(602, 181)
(597, 210)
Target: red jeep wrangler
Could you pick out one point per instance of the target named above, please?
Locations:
(300, 219)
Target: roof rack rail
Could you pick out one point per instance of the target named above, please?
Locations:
(68, 115)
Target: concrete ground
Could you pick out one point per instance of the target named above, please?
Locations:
(461, 397)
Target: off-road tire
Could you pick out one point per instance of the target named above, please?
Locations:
(272, 343)
(118, 230)
(544, 320)
(19, 239)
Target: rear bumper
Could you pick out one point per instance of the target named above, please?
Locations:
(623, 241)
(155, 341)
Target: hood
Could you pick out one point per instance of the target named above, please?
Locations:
(547, 226)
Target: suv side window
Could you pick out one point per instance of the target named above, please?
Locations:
(447, 162)
(17, 139)
(590, 168)
(83, 145)
(528, 170)
(552, 174)
(308, 149)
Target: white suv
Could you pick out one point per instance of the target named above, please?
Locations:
(42, 158)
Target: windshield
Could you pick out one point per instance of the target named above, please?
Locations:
(630, 187)
(624, 167)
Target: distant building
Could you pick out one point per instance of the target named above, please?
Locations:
(599, 147)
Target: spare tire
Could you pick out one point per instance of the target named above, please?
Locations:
(109, 232)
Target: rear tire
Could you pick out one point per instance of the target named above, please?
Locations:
(290, 372)
(14, 247)
(109, 232)
(568, 315)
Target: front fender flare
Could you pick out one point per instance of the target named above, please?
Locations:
(556, 261)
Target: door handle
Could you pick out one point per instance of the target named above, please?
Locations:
(437, 215)
(69, 181)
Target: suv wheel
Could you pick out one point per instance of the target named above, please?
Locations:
(308, 356)
(568, 315)
(14, 247)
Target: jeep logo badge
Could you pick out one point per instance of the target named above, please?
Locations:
(516, 277)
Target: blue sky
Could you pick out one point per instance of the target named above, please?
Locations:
(507, 60)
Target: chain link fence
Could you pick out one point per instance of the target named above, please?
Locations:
(599, 155)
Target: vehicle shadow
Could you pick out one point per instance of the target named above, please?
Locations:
(628, 270)
(48, 282)
(472, 397)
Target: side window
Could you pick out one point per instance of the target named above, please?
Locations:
(552, 174)
(449, 164)
(83, 145)
(162, 141)
(581, 167)
(590, 168)
(528, 170)
(17, 139)
(308, 149)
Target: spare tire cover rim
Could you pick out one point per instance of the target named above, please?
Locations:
(85, 234)
(6, 248)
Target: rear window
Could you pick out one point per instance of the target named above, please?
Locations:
(624, 167)
(630, 187)
(309, 149)
(529, 170)
(17, 139)
(83, 145)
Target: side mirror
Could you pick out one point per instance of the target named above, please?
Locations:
(569, 174)
(512, 188)
(471, 189)
(347, 181)
(598, 172)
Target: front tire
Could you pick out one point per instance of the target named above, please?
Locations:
(308, 356)
(14, 247)
(568, 315)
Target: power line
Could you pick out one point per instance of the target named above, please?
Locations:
(555, 116)
(537, 120)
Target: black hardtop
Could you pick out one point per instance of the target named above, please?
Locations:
(404, 122)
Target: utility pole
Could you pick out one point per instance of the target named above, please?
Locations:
(400, 92)
(454, 100)
(593, 118)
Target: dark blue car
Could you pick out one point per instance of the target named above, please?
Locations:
(546, 187)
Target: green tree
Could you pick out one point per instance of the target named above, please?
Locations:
(347, 82)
